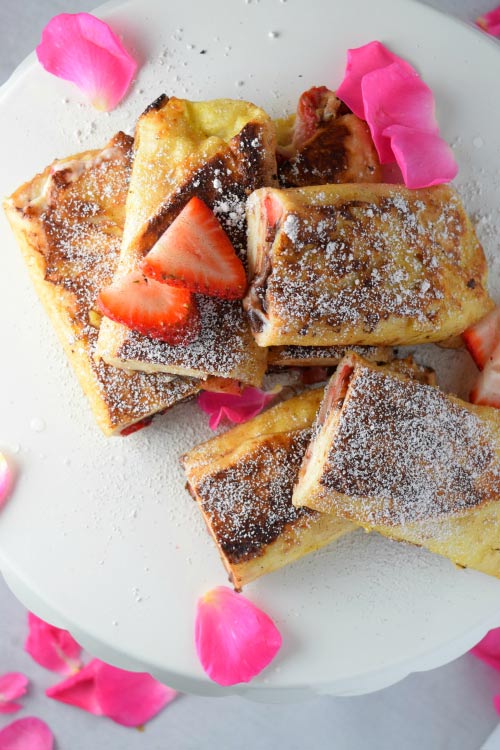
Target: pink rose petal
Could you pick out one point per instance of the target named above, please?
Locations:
(360, 61)
(26, 734)
(128, 698)
(424, 158)
(399, 110)
(83, 49)
(235, 408)
(79, 689)
(396, 95)
(6, 479)
(234, 639)
(488, 650)
(12, 685)
(52, 647)
(490, 22)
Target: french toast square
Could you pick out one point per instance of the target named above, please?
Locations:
(359, 264)
(338, 148)
(406, 460)
(219, 151)
(243, 481)
(68, 222)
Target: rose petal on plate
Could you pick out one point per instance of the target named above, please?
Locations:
(490, 22)
(488, 649)
(52, 647)
(234, 639)
(233, 407)
(360, 61)
(6, 479)
(12, 685)
(396, 95)
(425, 159)
(26, 734)
(128, 698)
(81, 48)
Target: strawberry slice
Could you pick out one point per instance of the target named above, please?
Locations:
(487, 388)
(309, 113)
(155, 310)
(195, 253)
(483, 337)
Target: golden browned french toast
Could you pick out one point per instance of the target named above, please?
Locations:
(242, 482)
(324, 142)
(68, 222)
(219, 151)
(408, 461)
(342, 265)
(326, 356)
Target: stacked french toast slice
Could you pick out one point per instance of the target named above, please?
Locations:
(69, 222)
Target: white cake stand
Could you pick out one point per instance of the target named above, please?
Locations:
(100, 536)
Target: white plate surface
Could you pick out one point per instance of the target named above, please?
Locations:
(101, 536)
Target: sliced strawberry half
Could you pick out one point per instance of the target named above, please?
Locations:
(195, 253)
(308, 116)
(483, 337)
(155, 310)
(487, 388)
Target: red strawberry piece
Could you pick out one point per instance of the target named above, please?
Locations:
(273, 211)
(307, 119)
(195, 253)
(487, 388)
(145, 422)
(483, 337)
(155, 310)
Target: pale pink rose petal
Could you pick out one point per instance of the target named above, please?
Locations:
(7, 477)
(396, 95)
(360, 61)
(235, 408)
(488, 650)
(12, 685)
(128, 698)
(83, 49)
(425, 159)
(26, 734)
(52, 647)
(490, 22)
(234, 639)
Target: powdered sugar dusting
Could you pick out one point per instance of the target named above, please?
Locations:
(82, 208)
(222, 348)
(356, 263)
(249, 504)
(403, 452)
